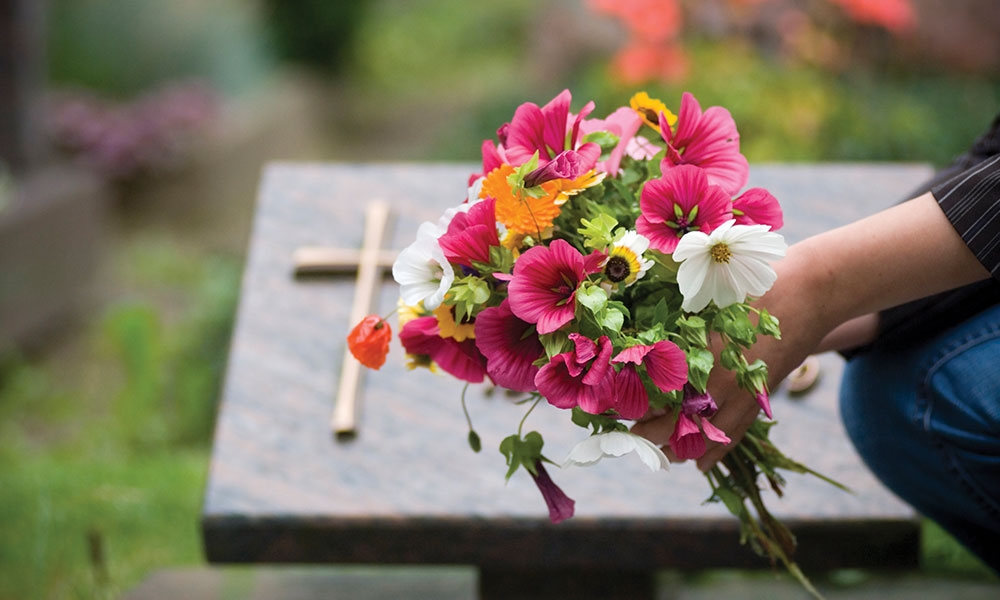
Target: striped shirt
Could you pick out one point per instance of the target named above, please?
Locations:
(971, 201)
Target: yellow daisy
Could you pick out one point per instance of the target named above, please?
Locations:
(650, 108)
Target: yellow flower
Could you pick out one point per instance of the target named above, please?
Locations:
(650, 108)
(448, 328)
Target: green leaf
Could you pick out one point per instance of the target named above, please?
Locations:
(554, 343)
(700, 362)
(732, 500)
(598, 232)
(522, 452)
(767, 324)
(605, 139)
(731, 357)
(612, 320)
(734, 321)
(593, 297)
(693, 329)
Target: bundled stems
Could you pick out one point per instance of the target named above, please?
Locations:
(735, 483)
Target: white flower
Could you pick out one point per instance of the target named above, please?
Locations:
(617, 443)
(726, 265)
(422, 271)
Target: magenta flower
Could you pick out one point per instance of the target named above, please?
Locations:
(560, 505)
(471, 234)
(708, 140)
(581, 377)
(545, 279)
(547, 130)
(757, 206)
(666, 366)
(510, 346)
(693, 426)
(421, 337)
(682, 200)
(568, 164)
(624, 123)
(764, 402)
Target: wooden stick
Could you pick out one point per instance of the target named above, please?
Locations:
(345, 410)
(315, 260)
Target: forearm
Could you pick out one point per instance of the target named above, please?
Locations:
(903, 253)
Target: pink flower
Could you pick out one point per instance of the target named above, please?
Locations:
(471, 234)
(682, 200)
(547, 130)
(764, 402)
(561, 506)
(665, 364)
(568, 164)
(581, 377)
(510, 346)
(421, 337)
(757, 206)
(693, 426)
(624, 123)
(708, 140)
(544, 283)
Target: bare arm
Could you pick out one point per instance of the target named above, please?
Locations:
(901, 254)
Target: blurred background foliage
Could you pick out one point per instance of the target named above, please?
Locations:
(105, 431)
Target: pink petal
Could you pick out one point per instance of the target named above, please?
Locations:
(759, 207)
(510, 346)
(561, 506)
(714, 433)
(687, 441)
(460, 359)
(666, 365)
(764, 401)
(632, 401)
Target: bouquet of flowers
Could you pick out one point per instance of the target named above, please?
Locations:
(605, 266)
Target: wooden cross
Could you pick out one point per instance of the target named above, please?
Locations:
(370, 263)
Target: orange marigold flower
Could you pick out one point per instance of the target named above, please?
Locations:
(369, 341)
(521, 213)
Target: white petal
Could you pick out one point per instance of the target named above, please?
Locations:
(422, 271)
(585, 453)
(651, 455)
(691, 244)
(617, 443)
(753, 276)
(723, 287)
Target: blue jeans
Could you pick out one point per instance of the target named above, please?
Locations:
(926, 420)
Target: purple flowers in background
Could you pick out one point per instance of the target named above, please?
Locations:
(155, 133)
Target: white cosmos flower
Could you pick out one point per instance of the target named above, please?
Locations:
(726, 265)
(617, 443)
(422, 271)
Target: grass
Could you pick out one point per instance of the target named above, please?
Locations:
(103, 461)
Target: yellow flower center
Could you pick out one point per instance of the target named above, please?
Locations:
(721, 253)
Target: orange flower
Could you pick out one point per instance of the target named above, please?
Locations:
(521, 213)
(369, 341)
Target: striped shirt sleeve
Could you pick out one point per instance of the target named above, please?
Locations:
(971, 201)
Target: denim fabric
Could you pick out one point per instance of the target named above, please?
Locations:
(926, 420)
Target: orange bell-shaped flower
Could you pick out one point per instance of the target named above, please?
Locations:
(369, 341)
